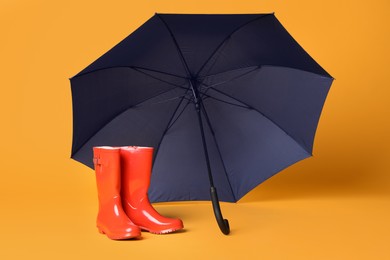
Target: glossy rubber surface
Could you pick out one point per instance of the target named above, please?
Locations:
(111, 219)
(136, 163)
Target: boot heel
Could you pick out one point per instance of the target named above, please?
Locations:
(101, 231)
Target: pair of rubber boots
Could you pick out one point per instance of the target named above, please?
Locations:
(123, 178)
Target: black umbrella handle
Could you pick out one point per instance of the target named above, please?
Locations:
(222, 223)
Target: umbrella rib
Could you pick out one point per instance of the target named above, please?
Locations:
(169, 125)
(226, 38)
(260, 66)
(218, 149)
(118, 114)
(164, 101)
(156, 78)
(129, 67)
(176, 45)
(217, 55)
(229, 70)
(234, 78)
(258, 111)
(224, 101)
(179, 115)
(158, 71)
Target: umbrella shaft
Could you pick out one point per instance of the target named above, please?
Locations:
(206, 154)
(199, 107)
(222, 223)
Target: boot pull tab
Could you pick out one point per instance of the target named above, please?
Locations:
(97, 161)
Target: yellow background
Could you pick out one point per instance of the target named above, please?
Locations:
(335, 205)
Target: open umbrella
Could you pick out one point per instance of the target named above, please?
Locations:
(228, 100)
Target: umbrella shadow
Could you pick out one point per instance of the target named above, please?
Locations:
(337, 172)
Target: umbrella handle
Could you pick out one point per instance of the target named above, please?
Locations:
(222, 223)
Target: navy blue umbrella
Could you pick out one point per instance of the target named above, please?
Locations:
(226, 100)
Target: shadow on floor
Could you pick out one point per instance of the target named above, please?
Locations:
(342, 171)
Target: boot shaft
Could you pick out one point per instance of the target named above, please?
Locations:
(136, 163)
(108, 172)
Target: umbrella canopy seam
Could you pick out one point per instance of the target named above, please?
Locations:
(170, 123)
(177, 46)
(116, 116)
(129, 67)
(261, 113)
(228, 37)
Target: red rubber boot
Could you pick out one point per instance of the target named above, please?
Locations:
(111, 219)
(136, 163)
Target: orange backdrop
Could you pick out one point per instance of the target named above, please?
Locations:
(335, 205)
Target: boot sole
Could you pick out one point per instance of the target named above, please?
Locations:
(161, 232)
(124, 237)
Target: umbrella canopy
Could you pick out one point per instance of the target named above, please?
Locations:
(234, 96)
